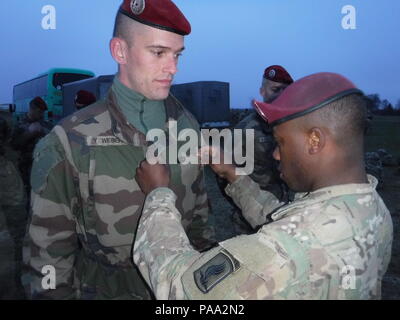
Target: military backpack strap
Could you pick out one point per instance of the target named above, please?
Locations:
(77, 211)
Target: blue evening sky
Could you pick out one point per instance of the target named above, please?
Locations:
(232, 41)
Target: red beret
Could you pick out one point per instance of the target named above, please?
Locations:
(85, 97)
(39, 102)
(304, 96)
(161, 14)
(278, 74)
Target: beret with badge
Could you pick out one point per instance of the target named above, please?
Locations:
(160, 14)
(305, 96)
(277, 74)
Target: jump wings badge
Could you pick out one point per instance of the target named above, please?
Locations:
(215, 270)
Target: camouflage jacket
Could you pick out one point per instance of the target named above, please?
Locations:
(22, 141)
(86, 203)
(333, 243)
(12, 193)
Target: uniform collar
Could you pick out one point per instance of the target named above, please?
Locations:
(323, 194)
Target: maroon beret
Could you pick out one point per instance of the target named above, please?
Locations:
(304, 96)
(85, 97)
(39, 102)
(161, 14)
(278, 74)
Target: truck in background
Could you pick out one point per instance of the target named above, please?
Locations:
(208, 101)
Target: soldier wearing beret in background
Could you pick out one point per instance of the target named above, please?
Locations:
(275, 79)
(332, 242)
(86, 203)
(27, 132)
(83, 99)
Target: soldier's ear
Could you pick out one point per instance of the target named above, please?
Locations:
(262, 91)
(316, 140)
(118, 49)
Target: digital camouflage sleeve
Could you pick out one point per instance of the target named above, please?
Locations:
(333, 243)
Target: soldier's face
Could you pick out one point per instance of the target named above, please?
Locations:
(270, 90)
(291, 152)
(36, 114)
(151, 61)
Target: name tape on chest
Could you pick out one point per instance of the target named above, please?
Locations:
(104, 141)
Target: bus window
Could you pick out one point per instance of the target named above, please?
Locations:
(62, 78)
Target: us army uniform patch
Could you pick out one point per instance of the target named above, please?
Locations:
(215, 270)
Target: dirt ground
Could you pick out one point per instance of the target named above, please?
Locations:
(390, 192)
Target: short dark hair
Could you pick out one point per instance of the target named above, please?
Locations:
(122, 27)
(346, 117)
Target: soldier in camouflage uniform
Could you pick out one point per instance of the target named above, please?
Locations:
(12, 201)
(26, 134)
(332, 242)
(85, 201)
(275, 80)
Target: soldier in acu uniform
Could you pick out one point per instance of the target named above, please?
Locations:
(332, 242)
(86, 203)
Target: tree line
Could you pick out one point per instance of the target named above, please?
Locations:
(382, 107)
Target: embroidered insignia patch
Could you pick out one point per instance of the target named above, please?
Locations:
(215, 270)
(137, 6)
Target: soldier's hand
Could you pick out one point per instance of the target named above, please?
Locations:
(150, 177)
(215, 158)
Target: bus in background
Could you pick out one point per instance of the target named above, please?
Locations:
(48, 86)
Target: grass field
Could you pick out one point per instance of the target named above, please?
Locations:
(384, 133)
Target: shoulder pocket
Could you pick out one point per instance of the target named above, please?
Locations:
(47, 154)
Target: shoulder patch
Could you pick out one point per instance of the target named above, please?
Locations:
(215, 270)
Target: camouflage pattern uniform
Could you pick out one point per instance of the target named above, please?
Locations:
(333, 243)
(25, 145)
(12, 204)
(86, 203)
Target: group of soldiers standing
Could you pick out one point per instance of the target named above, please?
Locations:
(16, 149)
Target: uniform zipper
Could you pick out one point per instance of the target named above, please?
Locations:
(141, 116)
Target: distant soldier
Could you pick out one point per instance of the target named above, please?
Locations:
(332, 242)
(85, 201)
(275, 80)
(27, 132)
(83, 99)
(12, 201)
